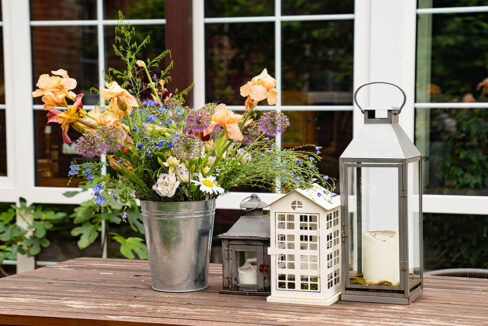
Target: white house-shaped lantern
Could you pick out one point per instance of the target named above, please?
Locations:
(305, 247)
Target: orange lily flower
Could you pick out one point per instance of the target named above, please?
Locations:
(65, 118)
(227, 120)
(54, 89)
(120, 100)
(259, 88)
(104, 118)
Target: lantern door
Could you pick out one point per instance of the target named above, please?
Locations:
(247, 259)
(372, 215)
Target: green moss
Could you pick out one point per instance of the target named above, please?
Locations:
(359, 279)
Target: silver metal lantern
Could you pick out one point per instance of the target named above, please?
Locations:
(381, 186)
(245, 251)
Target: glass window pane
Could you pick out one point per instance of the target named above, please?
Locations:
(317, 62)
(63, 10)
(331, 130)
(450, 3)
(454, 143)
(377, 237)
(155, 47)
(134, 9)
(3, 144)
(307, 7)
(238, 8)
(234, 54)
(2, 70)
(247, 267)
(53, 157)
(451, 64)
(72, 48)
(414, 237)
(455, 241)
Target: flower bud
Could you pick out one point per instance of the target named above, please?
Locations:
(140, 64)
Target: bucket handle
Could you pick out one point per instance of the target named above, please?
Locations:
(379, 82)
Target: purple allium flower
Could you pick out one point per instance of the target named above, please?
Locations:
(251, 133)
(172, 104)
(187, 147)
(273, 123)
(91, 146)
(198, 120)
(112, 137)
(209, 107)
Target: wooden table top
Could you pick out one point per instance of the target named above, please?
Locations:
(91, 291)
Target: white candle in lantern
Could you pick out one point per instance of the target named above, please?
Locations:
(381, 257)
(248, 274)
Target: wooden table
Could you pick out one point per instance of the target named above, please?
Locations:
(90, 291)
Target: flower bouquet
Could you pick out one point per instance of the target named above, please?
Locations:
(174, 158)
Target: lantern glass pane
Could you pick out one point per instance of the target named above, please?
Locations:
(247, 268)
(373, 209)
(414, 209)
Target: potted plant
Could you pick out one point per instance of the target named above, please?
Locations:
(175, 159)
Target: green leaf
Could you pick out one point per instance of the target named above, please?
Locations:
(88, 232)
(72, 193)
(84, 212)
(113, 217)
(131, 245)
(135, 219)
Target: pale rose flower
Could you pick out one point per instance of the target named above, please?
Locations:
(166, 185)
(172, 162)
(183, 173)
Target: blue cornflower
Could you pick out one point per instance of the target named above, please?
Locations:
(175, 136)
(261, 155)
(97, 188)
(120, 161)
(162, 109)
(140, 146)
(149, 154)
(311, 158)
(90, 178)
(319, 194)
(168, 121)
(318, 149)
(267, 138)
(125, 215)
(268, 151)
(298, 161)
(149, 103)
(146, 138)
(334, 195)
(115, 197)
(87, 172)
(169, 144)
(135, 129)
(272, 165)
(326, 177)
(99, 200)
(297, 179)
(150, 118)
(180, 110)
(160, 124)
(142, 111)
(75, 169)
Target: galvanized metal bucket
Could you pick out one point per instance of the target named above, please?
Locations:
(179, 240)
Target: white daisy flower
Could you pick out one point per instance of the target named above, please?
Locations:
(208, 185)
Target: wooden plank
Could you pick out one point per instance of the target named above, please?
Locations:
(90, 291)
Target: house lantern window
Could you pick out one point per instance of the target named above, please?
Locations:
(380, 175)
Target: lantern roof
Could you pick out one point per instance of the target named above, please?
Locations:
(252, 226)
(318, 195)
(249, 227)
(381, 138)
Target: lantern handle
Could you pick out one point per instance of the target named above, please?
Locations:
(248, 210)
(379, 82)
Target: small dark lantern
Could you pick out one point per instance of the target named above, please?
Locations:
(245, 251)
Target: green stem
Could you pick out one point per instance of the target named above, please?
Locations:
(151, 83)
